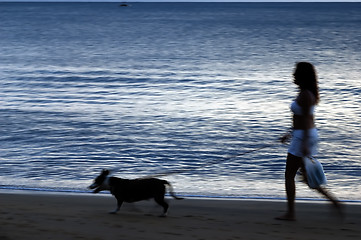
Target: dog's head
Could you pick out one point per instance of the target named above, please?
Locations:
(101, 182)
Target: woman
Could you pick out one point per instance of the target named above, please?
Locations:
(304, 136)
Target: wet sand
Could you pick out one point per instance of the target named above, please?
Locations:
(85, 216)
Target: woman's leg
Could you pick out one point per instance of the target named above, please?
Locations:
(292, 165)
(329, 196)
(324, 192)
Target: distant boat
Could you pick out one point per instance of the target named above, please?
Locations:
(124, 5)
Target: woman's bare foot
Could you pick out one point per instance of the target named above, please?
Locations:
(339, 208)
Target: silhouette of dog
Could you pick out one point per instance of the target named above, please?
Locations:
(133, 190)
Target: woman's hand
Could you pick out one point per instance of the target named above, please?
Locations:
(285, 137)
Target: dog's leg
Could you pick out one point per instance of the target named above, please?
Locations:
(119, 204)
(160, 201)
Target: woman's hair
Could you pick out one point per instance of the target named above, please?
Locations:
(306, 78)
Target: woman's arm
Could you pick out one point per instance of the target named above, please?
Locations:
(306, 100)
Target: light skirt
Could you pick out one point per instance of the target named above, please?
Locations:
(295, 147)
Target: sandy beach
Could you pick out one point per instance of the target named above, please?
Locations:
(85, 216)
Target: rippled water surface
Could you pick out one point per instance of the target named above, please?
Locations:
(202, 89)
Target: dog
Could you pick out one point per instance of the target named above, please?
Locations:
(133, 190)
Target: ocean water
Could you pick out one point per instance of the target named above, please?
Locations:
(199, 92)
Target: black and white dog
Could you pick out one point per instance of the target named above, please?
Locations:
(133, 190)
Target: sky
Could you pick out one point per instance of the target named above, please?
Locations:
(180, 1)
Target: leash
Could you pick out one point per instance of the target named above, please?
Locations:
(209, 163)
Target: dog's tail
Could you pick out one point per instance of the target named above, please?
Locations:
(171, 192)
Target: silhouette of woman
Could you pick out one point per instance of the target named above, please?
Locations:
(304, 135)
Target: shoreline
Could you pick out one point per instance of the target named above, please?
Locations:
(85, 216)
(190, 196)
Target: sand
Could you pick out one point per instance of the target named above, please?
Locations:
(85, 216)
